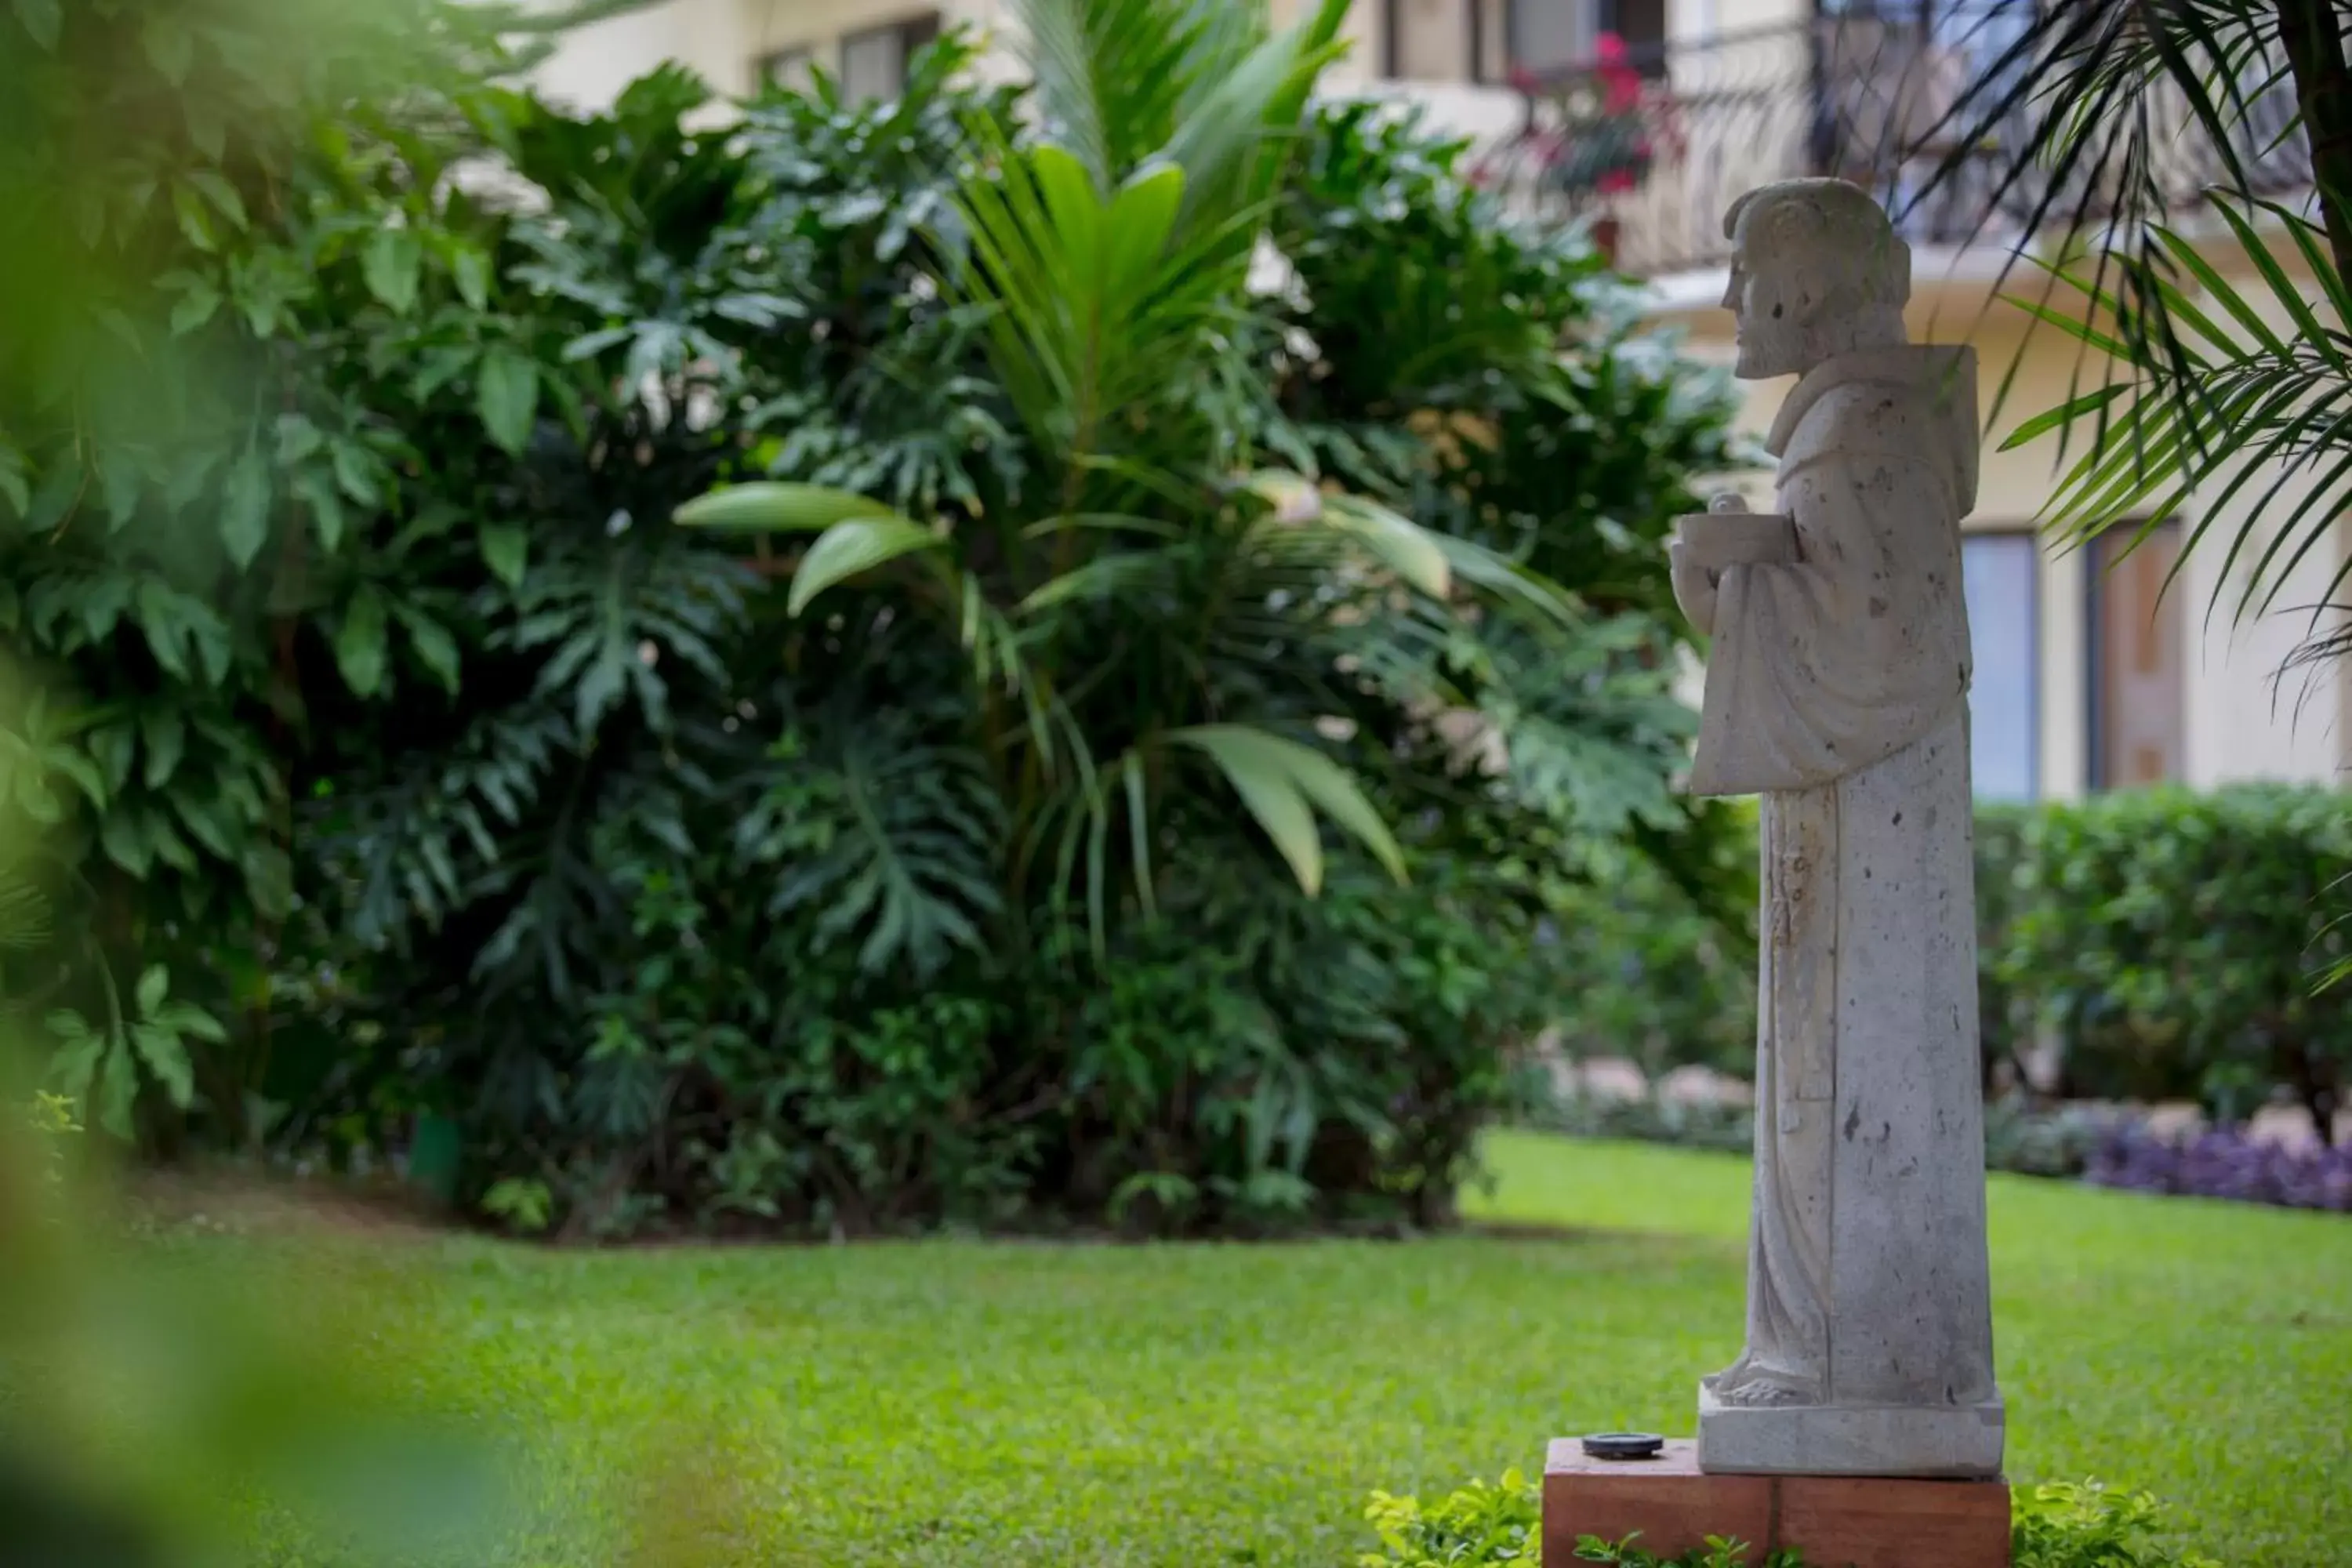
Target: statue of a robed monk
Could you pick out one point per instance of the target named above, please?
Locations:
(1837, 683)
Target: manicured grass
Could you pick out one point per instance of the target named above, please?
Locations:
(1009, 1404)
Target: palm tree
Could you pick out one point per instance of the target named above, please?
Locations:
(2238, 392)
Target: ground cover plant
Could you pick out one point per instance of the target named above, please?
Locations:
(967, 1402)
(2058, 1524)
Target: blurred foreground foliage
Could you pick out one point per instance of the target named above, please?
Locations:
(1160, 795)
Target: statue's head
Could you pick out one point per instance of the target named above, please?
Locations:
(1816, 271)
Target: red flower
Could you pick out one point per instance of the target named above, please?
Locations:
(1621, 83)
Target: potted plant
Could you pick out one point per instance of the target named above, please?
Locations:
(1603, 142)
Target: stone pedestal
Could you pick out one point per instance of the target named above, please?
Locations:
(1962, 1443)
(1837, 1522)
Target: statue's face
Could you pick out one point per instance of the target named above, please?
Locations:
(1773, 318)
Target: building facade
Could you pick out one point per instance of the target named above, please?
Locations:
(1646, 118)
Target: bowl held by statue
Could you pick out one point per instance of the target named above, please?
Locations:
(1716, 539)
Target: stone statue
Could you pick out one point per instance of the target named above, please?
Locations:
(1837, 682)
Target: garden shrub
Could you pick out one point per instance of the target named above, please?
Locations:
(1483, 1522)
(2180, 942)
(2004, 1016)
(1662, 974)
(2089, 1524)
(693, 878)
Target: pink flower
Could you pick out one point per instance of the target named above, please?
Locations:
(1621, 83)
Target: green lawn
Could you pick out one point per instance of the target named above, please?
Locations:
(1008, 1405)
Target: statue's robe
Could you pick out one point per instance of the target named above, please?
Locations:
(1837, 688)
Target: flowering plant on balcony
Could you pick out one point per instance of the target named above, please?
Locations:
(1603, 142)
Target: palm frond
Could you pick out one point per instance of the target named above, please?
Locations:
(2254, 421)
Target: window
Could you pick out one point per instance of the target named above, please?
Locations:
(1543, 37)
(1428, 40)
(1999, 576)
(785, 69)
(2138, 677)
(874, 62)
(1488, 40)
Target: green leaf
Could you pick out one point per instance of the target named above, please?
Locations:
(76, 1064)
(171, 47)
(355, 473)
(390, 264)
(38, 801)
(118, 483)
(55, 497)
(436, 648)
(1267, 792)
(117, 1087)
(245, 507)
(506, 551)
(198, 306)
(165, 736)
(14, 488)
(848, 548)
(153, 986)
(1336, 792)
(167, 1058)
(315, 488)
(112, 748)
(190, 1023)
(40, 18)
(81, 773)
(125, 839)
(771, 507)
(359, 642)
(472, 270)
(298, 439)
(2066, 412)
(1409, 549)
(1141, 218)
(189, 209)
(206, 128)
(216, 189)
(506, 396)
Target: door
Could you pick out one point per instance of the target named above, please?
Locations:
(2137, 632)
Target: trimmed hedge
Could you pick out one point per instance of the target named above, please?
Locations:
(2183, 946)
(2179, 946)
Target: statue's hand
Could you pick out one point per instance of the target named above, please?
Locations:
(1695, 586)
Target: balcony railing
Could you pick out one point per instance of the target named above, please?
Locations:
(1654, 142)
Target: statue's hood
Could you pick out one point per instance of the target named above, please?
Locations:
(1941, 378)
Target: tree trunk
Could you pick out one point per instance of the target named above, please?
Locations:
(2313, 34)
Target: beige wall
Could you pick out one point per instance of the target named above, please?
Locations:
(722, 39)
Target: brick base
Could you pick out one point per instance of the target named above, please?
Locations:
(1837, 1522)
